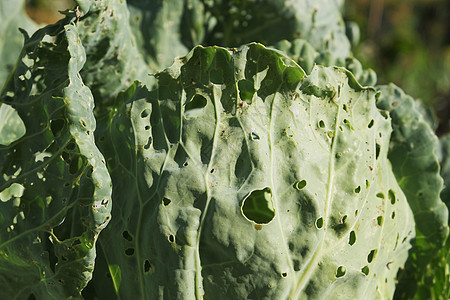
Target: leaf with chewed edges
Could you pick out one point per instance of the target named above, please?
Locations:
(239, 177)
(55, 189)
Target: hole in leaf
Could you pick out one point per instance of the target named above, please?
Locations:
(338, 224)
(126, 235)
(284, 274)
(345, 107)
(212, 171)
(340, 271)
(300, 184)
(371, 255)
(391, 195)
(129, 251)
(371, 123)
(56, 126)
(149, 142)
(396, 242)
(367, 184)
(147, 127)
(147, 266)
(171, 238)
(358, 189)
(246, 90)
(393, 215)
(377, 150)
(380, 220)
(75, 165)
(365, 270)
(352, 238)
(197, 102)
(166, 201)
(83, 123)
(257, 206)
(380, 195)
(319, 223)
(89, 172)
(321, 124)
(185, 164)
(145, 113)
(254, 136)
(356, 213)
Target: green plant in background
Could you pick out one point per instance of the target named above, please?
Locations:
(247, 172)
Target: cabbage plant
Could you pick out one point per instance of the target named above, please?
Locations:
(204, 149)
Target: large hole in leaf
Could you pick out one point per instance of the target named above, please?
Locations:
(197, 103)
(258, 206)
(56, 126)
(246, 90)
(75, 165)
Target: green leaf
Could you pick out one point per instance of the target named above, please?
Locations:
(113, 60)
(55, 188)
(12, 17)
(166, 29)
(12, 127)
(116, 276)
(307, 56)
(444, 162)
(269, 21)
(413, 154)
(224, 127)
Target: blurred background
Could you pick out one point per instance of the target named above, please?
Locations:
(406, 42)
